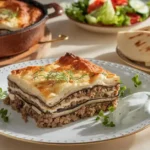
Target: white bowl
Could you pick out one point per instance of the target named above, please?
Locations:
(106, 29)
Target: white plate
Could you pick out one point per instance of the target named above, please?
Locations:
(103, 29)
(80, 132)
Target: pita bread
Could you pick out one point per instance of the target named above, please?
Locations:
(145, 28)
(135, 45)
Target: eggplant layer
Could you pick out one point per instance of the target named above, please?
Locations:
(45, 120)
(96, 93)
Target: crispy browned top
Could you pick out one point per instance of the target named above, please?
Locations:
(25, 13)
(68, 72)
(68, 62)
(79, 63)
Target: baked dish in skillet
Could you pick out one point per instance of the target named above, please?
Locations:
(67, 90)
(15, 14)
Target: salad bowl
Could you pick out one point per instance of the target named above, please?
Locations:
(109, 16)
(106, 29)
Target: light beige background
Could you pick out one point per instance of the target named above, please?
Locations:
(89, 45)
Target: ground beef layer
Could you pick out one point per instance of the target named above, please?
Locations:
(45, 120)
(96, 92)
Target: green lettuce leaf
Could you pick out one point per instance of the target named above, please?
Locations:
(108, 16)
(105, 14)
(78, 10)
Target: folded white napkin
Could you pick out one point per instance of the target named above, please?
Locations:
(133, 108)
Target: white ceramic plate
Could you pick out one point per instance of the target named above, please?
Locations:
(103, 29)
(80, 132)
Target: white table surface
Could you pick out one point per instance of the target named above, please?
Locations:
(89, 45)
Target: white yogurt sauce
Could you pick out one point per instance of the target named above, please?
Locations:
(132, 109)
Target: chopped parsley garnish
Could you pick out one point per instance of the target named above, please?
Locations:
(3, 112)
(105, 119)
(36, 74)
(111, 109)
(120, 82)
(126, 91)
(7, 13)
(97, 118)
(3, 94)
(59, 76)
(136, 80)
(4, 115)
(122, 91)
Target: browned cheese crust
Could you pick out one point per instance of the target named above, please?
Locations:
(25, 13)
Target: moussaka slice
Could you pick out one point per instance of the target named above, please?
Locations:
(62, 92)
(15, 15)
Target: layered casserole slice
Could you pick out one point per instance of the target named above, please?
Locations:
(15, 14)
(62, 92)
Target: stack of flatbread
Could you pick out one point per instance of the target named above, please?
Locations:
(135, 45)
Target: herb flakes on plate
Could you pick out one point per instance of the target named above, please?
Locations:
(3, 112)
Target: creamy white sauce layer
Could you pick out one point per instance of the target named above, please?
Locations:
(36, 110)
(12, 96)
(26, 104)
(66, 89)
(66, 111)
(132, 109)
(55, 108)
(75, 109)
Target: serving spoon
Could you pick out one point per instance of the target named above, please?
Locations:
(61, 37)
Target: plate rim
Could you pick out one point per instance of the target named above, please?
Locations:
(48, 60)
(69, 144)
(129, 62)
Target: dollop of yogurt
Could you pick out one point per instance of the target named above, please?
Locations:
(132, 109)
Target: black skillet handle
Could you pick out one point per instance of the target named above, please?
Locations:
(58, 10)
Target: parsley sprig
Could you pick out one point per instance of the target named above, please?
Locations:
(37, 73)
(4, 115)
(7, 13)
(105, 119)
(136, 80)
(126, 91)
(3, 112)
(58, 76)
(3, 94)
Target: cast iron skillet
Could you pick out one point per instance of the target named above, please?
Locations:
(21, 40)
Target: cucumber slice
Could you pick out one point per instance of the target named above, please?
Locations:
(139, 6)
(90, 19)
